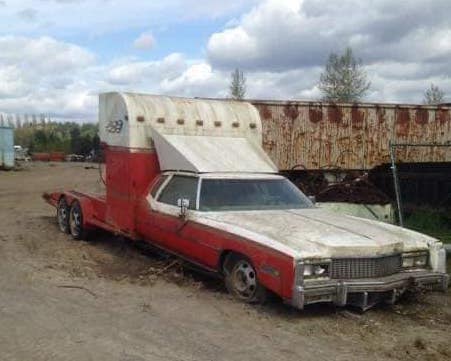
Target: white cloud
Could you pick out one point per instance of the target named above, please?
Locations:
(280, 44)
(288, 34)
(43, 55)
(404, 45)
(145, 41)
(146, 72)
(198, 80)
(42, 75)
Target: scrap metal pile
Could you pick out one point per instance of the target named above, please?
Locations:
(338, 186)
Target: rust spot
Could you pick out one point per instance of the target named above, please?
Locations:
(357, 118)
(402, 122)
(291, 111)
(265, 112)
(421, 116)
(334, 114)
(380, 114)
(315, 115)
(443, 116)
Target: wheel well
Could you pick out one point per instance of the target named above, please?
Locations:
(226, 254)
(222, 259)
(70, 200)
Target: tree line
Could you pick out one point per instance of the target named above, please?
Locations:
(70, 138)
(343, 80)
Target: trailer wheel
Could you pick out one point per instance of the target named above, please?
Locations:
(62, 215)
(76, 221)
(241, 279)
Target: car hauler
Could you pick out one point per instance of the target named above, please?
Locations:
(190, 176)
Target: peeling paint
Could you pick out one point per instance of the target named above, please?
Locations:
(315, 135)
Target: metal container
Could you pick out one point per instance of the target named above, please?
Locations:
(6, 147)
(316, 135)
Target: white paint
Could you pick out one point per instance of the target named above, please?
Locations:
(114, 106)
(315, 233)
(195, 135)
(210, 154)
(377, 212)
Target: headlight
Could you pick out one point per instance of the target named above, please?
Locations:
(316, 270)
(415, 260)
(407, 262)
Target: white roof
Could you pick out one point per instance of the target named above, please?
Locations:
(194, 135)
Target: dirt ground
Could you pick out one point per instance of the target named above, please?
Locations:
(109, 299)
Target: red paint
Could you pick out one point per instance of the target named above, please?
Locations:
(334, 114)
(124, 210)
(40, 157)
(402, 122)
(357, 118)
(291, 111)
(315, 115)
(265, 112)
(443, 116)
(421, 116)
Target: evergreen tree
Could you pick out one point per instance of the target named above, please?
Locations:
(238, 85)
(343, 80)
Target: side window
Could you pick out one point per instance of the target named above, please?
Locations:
(157, 185)
(180, 187)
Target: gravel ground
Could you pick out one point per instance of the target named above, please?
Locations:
(110, 299)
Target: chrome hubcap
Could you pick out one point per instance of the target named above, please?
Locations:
(244, 279)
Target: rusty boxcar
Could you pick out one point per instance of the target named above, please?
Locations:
(318, 135)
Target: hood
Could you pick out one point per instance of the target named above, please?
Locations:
(313, 233)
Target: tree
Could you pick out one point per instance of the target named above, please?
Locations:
(343, 80)
(76, 140)
(434, 95)
(238, 84)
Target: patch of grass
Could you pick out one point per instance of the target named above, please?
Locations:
(434, 223)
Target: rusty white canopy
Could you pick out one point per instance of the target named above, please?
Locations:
(194, 135)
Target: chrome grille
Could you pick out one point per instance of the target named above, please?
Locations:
(348, 268)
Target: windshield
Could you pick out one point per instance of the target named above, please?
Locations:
(250, 194)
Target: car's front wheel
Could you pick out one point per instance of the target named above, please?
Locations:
(241, 279)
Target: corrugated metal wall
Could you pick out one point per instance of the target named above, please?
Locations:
(6, 147)
(351, 136)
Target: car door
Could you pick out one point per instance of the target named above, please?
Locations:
(164, 205)
(164, 226)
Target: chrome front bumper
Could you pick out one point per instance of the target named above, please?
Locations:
(365, 293)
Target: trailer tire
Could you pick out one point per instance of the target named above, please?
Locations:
(241, 279)
(76, 221)
(62, 215)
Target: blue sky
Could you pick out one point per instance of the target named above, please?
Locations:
(57, 55)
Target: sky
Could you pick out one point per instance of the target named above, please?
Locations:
(56, 56)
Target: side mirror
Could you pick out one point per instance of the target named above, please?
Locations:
(183, 204)
(312, 199)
